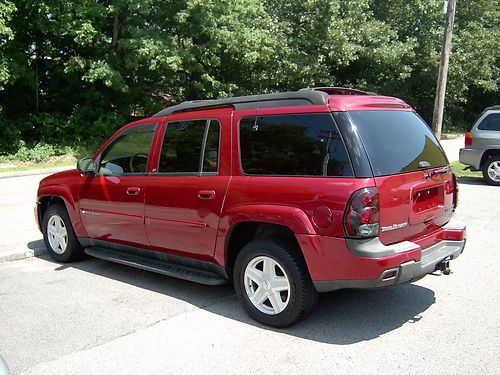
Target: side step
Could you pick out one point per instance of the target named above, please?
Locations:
(153, 265)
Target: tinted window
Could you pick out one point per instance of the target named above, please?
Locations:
(128, 153)
(183, 145)
(301, 145)
(490, 122)
(398, 141)
(211, 154)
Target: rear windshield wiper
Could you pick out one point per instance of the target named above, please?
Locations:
(443, 170)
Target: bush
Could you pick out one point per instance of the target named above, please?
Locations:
(38, 153)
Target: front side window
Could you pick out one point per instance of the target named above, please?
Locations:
(128, 153)
(190, 147)
(293, 145)
(490, 122)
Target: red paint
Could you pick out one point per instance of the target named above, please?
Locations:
(194, 215)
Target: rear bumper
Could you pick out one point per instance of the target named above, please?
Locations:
(471, 156)
(339, 263)
(405, 272)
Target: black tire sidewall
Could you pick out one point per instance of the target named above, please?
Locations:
(73, 249)
(291, 265)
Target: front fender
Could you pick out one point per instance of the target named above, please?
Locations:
(288, 216)
(64, 192)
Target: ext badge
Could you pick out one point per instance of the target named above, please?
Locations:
(393, 227)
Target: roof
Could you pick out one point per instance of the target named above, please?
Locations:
(340, 98)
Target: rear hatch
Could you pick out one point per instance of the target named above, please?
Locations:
(410, 169)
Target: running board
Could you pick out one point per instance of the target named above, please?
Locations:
(153, 265)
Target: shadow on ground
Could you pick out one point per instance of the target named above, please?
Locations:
(341, 317)
(472, 181)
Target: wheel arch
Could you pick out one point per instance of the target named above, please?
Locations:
(245, 223)
(60, 195)
(486, 155)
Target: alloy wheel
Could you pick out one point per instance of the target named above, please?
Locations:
(57, 234)
(267, 285)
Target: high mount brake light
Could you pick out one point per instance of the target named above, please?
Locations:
(362, 216)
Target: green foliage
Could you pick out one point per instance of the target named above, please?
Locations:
(73, 72)
(40, 152)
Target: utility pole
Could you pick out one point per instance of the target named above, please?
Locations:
(437, 118)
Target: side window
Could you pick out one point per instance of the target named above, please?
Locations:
(293, 145)
(190, 147)
(211, 152)
(490, 122)
(129, 153)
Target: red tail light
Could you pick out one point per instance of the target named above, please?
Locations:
(468, 139)
(362, 215)
(455, 192)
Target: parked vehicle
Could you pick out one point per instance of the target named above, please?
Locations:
(482, 145)
(286, 194)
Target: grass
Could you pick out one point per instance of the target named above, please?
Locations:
(458, 169)
(53, 162)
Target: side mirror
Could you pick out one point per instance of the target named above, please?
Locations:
(85, 165)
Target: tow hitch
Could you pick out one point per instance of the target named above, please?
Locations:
(444, 267)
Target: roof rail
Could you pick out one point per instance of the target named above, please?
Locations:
(494, 108)
(338, 91)
(283, 99)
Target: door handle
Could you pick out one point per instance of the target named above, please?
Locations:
(133, 190)
(206, 194)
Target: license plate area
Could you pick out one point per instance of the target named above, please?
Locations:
(427, 204)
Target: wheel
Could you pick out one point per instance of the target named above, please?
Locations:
(59, 236)
(491, 170)
(272, 283)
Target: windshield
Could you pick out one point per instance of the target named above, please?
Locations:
(398, 142)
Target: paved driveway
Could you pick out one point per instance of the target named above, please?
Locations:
(94, 317)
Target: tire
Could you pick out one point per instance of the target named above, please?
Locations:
(492, 165)
(59, 236)
(285, 269)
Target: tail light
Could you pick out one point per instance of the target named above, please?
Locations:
(468, 139)
(455, 191)
(362, 216)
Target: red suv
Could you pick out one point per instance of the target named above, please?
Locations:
(286, 194)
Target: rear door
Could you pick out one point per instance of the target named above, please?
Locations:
(410, 170)
(185, 195)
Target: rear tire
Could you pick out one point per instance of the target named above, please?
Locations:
(272, 283)
(59, 236)
(491, 170)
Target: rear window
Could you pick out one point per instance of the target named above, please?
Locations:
(398, 142)
(293, 145)
(490, 122)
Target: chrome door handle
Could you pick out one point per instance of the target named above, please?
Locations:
(133, 190)
(206, 194)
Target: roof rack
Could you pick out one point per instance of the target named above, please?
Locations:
(284, 99)
(493, 107)
(303, 97)
(339, 91)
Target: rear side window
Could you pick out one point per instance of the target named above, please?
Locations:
(293, 145)
(490, 122)
(398, 142)
(190, 147)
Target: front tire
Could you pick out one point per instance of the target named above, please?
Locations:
(491, 170)
(272, 283)
(59, 236)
